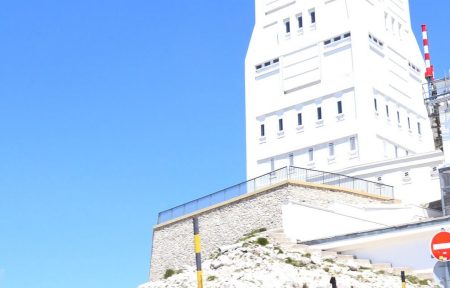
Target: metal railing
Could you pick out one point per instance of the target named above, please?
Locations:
(274, 177)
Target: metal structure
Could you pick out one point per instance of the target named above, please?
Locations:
(275, 177)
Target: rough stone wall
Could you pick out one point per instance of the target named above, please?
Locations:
(173, 244)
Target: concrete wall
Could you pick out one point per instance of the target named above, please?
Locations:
(340, 219)
(226, 223)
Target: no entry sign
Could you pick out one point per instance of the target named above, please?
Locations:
(440, 246)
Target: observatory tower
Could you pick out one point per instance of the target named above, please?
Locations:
(333, 84)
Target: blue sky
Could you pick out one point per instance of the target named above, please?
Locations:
(111, 111)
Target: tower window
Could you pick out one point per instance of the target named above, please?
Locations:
(272, 164)
(299, 119)
(319, 113)
(312, 14)
(375, 104)
(331, 149)
(409, 123)
(287, 25)
(387, 111)
(398, 117)
(263, 131)
(339, 107)
(300, 21)
(352, 143)
(311, 154)
(291, 159)
(418, 128)
(280, 124)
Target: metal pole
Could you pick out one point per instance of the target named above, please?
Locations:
(447, 278)
(402, 275)
(333, 282)
(198, 255)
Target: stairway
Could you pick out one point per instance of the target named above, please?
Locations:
(278, 238)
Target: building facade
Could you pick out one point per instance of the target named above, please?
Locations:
(333, 84)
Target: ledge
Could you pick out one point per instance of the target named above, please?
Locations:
(267, 189)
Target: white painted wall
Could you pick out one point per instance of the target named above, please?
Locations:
(402, 248)
(309, 72)
(303, 222)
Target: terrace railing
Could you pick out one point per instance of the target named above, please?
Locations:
(274, 177)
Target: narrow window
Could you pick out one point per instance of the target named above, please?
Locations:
(396, 151)
(319, 113)
(287, 25)
(418, 128)
(263, 132)
(331, 149)
(398, 117)
(272, 164)
(312, 13)
(375, 104)
(387, 111)
(352, 143)
(280, 124)
(311, 154)
(299, 119)
(339, 107)
(291, 159)
(300, 21)
(409, 124)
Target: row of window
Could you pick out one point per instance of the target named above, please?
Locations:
(267, 63)
(299, 18)
(419, 130)
(376, 40)
(300, 118)
(331, 153)
(414, 67)
(337, 38)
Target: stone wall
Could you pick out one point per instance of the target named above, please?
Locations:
(173, 244)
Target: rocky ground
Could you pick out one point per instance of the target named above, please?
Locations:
(255, 262)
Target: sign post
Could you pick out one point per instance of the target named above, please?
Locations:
(440, 249)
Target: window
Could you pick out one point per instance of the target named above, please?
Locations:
(352, 143)
(287, 25)
(387, 111)
(319, 113)
(331, 149)
(375, 104)
(418, 128)
(398, 117)
(280, 124)
(396, 151)
(339, 107)
(272, 164)
(263, 132)
(311, 154)
(291, 159)
(300, 21)
(312, 14)
(299, 119)
(409, 124)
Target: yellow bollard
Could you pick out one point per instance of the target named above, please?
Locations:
(198, 255)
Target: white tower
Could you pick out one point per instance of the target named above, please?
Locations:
(332, 84)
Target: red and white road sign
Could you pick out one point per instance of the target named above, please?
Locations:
(440, 246)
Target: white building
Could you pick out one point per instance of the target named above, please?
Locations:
(335, 84)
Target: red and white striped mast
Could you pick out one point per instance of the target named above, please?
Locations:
(429, 73)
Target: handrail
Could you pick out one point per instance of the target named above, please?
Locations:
(274, 177)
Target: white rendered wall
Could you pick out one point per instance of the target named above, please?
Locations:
(303, 222)
(304, 71)
(402, 248)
